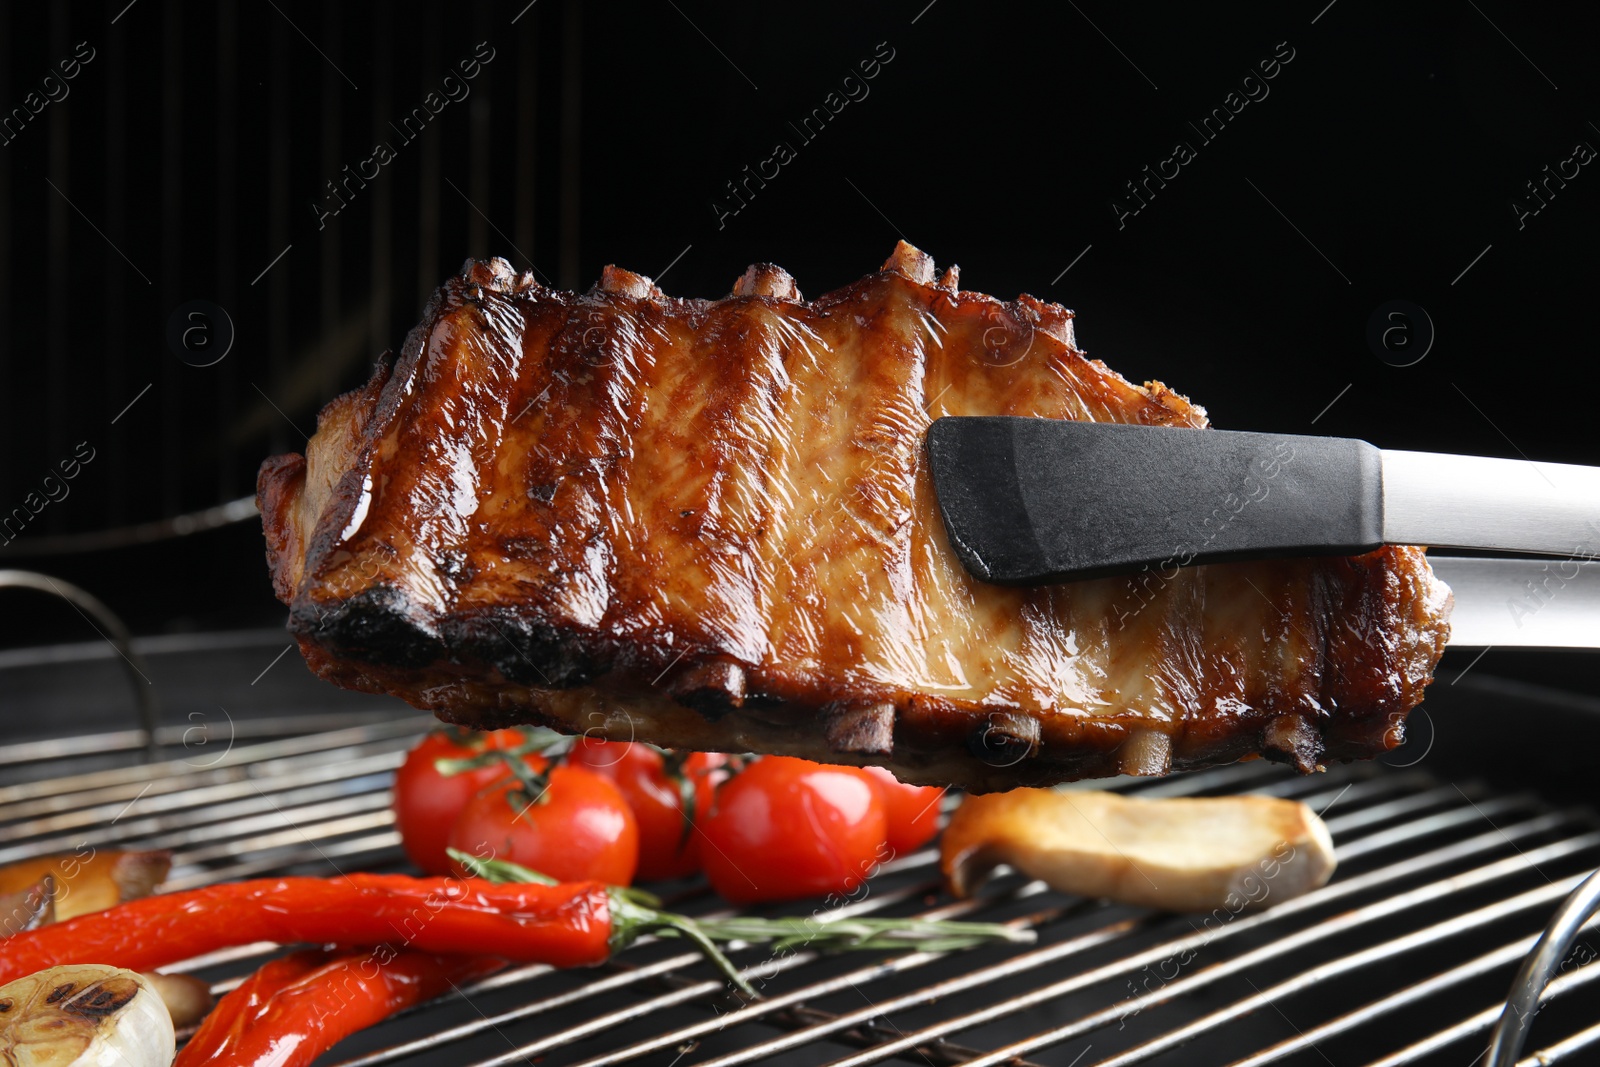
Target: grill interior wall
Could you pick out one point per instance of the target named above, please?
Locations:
(183, 158)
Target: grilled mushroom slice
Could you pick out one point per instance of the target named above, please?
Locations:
(1188, 854)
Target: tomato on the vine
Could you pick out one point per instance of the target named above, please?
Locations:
(426, 802)
(659, 787)
(912, 811)
(785, 828)
(570, 824)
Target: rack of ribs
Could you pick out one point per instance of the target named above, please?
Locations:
(710, 525)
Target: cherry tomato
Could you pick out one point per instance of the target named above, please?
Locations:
(578, 829)
(786, 828)
(654, 791)
(426, 802)
(912, 811)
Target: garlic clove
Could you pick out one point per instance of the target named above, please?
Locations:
(84, 1016)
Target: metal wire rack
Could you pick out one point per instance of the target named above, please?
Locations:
(1404, 957)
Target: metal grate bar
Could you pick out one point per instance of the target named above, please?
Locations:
(1457, 817)
(1308, 979)
(1039, 959)
(870, 1034)
(1328, 928)
(175, 795)
(322, 801)
(1415, 805)
(293, 835)
(620, 979)
(717, 987)
(527, 972)
(1025, 960)
(1481, 1022)
(327, 826)
(773, 1005)
(1231, 779)
(1327, 792)
(1339, 924)
(1561, 1050)
(759, 1009)
(713, 988)
(764, 1008)
(1474, 968)
(225, 955)
(172, 773)
(692, 990)
(218, 806)
(369, 786)
(927, 858)
(810, 992)
(58, 748)
(1361, 790)
(386, 844)
(1429, 798)
(205, 785)
(52, 749)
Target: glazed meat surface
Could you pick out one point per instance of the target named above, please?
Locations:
(710, 524)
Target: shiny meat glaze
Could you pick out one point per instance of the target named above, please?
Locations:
(710, 525)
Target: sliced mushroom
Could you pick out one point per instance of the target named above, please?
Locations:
(1186, 854)
(92, 882)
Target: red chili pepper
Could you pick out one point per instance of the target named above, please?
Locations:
(521, 916)
(566, 925)
(298, 1006)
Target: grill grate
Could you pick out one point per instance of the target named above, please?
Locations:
(1403, 958)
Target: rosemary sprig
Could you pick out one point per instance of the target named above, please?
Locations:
(635, 912)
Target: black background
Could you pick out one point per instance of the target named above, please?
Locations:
(1382, 165)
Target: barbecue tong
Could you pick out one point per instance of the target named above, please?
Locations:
(1028, 501)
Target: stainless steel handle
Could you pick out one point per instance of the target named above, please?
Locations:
(114, 632)
(1501, 505)
(1540, 966)
(1527, 603)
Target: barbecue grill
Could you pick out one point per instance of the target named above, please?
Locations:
(180, 171)
(1449, 872)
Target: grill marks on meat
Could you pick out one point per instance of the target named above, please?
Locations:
(710, 524)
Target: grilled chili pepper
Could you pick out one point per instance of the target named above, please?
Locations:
(298, 1006)
(510, 912)
(562, 925)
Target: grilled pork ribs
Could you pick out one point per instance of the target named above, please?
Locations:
(709, 524)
